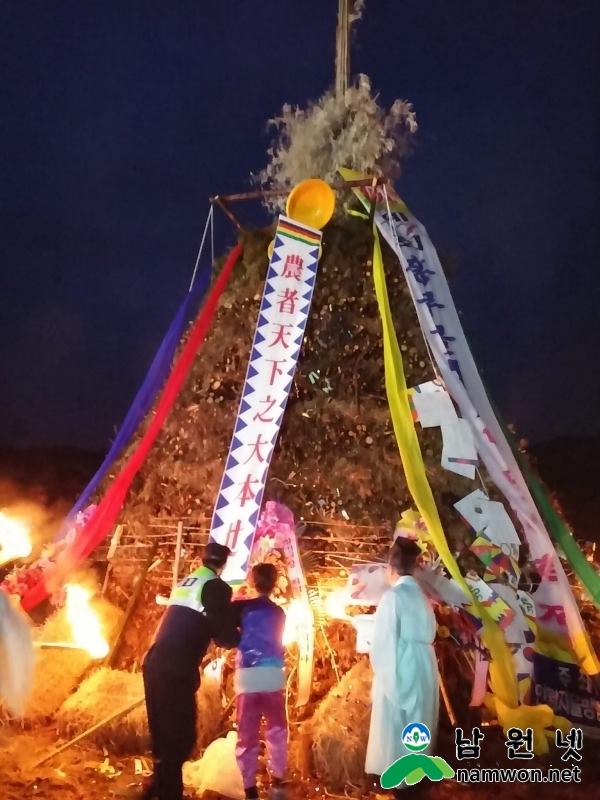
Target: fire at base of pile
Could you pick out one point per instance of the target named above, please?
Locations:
(106, 691)
(57, 672)
(333, 743)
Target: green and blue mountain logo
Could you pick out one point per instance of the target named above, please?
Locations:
(415, 765)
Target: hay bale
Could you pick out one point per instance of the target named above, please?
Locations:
(103, 693)
(107, 690)
(340, 729)
(57, 672)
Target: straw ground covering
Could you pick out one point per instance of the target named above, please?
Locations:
(107, 690)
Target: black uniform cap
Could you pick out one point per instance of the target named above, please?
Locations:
(215, 555)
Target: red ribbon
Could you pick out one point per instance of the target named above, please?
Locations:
(110, 506)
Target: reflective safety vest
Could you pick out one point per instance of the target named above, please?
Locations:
(188, 593)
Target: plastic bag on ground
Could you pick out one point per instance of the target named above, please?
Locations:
(217, 770)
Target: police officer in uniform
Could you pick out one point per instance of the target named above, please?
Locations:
(199, 610)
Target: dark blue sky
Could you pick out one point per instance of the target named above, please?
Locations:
(119, 119)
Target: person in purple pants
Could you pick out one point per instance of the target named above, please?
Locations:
(260, 683)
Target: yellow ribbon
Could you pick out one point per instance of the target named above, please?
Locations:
(538, 718)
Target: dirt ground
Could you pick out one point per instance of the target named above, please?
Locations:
(83, 773)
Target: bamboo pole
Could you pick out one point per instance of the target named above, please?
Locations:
(177, 554)
(447, 703)
(111, 718)
(342, 49)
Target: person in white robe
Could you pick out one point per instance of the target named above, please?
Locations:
(406, 679)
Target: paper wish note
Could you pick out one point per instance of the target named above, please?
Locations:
(471, 510)
(428, 387)
(459, 454)
(483, 514)
(527, 605)
(496, 558)
(514, 633)
(500, 528)
(434, 408)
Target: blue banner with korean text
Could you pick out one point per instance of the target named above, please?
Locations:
(274, 355)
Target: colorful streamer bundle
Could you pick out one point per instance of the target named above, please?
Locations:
(560, 621)
(416, 478)
(506, 692)
(108, 510)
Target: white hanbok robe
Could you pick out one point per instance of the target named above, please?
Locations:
(406, 678)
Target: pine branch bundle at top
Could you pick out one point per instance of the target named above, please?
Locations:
(351, 131)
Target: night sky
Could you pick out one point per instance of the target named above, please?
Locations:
(119, 119)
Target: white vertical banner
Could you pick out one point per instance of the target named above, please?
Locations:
(277, 341)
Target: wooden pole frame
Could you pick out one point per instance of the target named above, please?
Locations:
(340, 186)
(177, 560)
(219, 201)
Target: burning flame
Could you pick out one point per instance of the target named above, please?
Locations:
(84, 622)
(14, 539)
(335, 604)
(297, 615)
